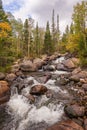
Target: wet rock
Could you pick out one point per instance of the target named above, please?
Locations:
(84, 86)
(30, 97)
(19, 73)
(30, 82)
(69, 64)
(74, 110)
(61, 81)
(10, 77)
(38, 90)
(39, 63)
(60, 66)
(75, 60)
(44, 57)
(74, 78)
(49, 67)
(75, 71)
(79, 121)
(15, 68)
(66, 125)
(78, 76)
(84, 81)
(4, 92)
(85, 124)
(53, 57)
(49, 93)
(47, 77)
(4, 99)
(2, 76)
(3, 87)
(28, 66)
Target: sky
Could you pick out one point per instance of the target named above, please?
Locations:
(41, 10)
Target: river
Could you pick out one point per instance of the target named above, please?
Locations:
(20, 114)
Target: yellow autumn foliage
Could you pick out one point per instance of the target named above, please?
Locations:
(73, 42)
(5, 28)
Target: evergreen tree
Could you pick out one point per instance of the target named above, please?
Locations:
(54, 39)
(3, 17)
(26, 36)
(48, 41)
(37, 42)
(71, 29)
(57, 33)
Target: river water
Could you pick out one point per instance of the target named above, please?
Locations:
(20, 114)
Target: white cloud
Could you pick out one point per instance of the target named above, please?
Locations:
(7, 2)
(41, 10)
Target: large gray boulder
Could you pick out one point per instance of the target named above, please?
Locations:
(74, 111)
(28, 66)
(65, 125)
(2, 76)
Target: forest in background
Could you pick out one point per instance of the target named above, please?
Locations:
(19, 40)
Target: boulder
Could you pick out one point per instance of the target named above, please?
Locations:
(60, 66)
(69, 64)
(52, 57)
(4, 92)
(10, 77)
(28, 66)
(75, 71)
(66, 125)
(47, 77)
(15, 68)
(38, 90)
(84, 81)
(38, 63)
(49, 93)
(30, 97)
(49, 68)
(44, 57)
(76, 61)
(19, 73)
(61, 81)
(74, 110)
(84, 86)
(2, 76)
(85, 124)
(78, 76)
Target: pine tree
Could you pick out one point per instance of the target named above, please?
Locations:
(57, 32)
(71, 29)
(37, 42)
(3, 17)
(26, 36)
(54, 39)
(48, 41)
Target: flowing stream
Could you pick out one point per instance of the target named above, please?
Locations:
(20, 114)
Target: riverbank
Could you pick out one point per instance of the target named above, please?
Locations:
(56, 79)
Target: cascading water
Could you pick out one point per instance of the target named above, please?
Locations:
(38, 116)
(26, 114)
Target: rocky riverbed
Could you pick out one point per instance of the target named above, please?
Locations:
(47, 93)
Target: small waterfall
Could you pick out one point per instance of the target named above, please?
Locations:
(44, 112)
(26, 114)
(14, 91)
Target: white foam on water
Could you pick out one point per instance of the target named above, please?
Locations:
(51, 85)
(59, 60)
(18, 105)
(44, 113)
(59, 72)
